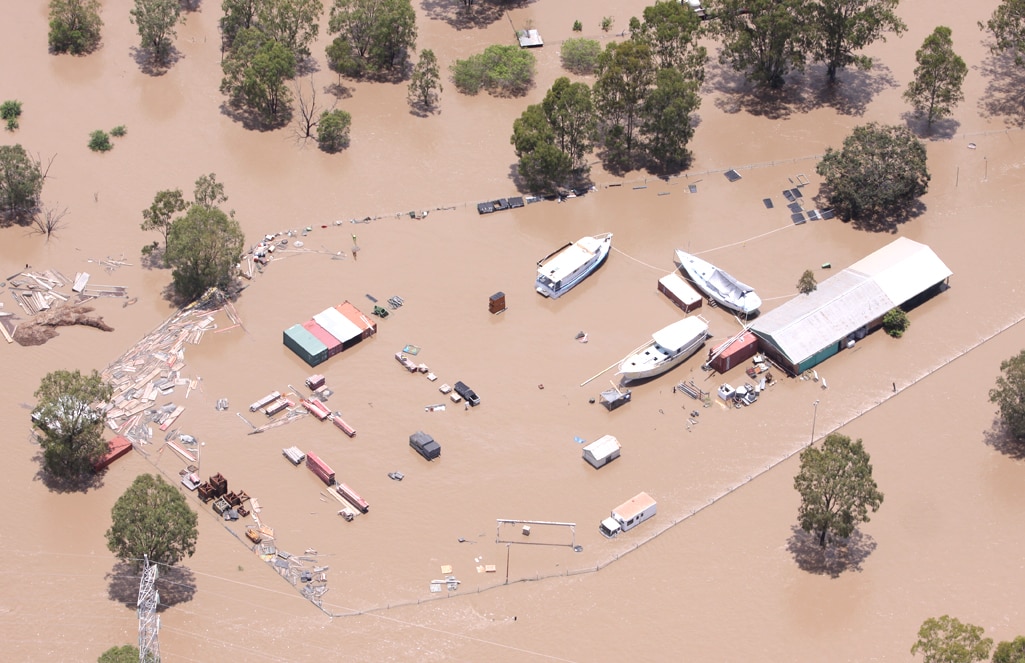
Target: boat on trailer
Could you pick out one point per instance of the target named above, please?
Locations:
(722, 288)
(564, 268)
(669, 346)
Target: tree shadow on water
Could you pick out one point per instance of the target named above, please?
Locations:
(480, 14)
(55, 484)
(854, 89)
(148, 63)
(842, 555)
(1001, 440)
(176, 585)
(1004, 95)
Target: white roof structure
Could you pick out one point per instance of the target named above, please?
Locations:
(529, 38)
(603, 447)
(570, 259)
(681, 333)
(336, 324)
(675, 284)
(851, 299)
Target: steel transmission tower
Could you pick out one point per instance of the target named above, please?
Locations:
(149, 621)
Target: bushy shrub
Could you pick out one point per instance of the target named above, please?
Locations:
(502, 70)
(10, 111)
(577, 26)
(118, 131)
(333, 130)
(99, 141)
(896, 322)
(580, 55)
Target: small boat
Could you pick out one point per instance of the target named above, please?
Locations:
(564, 268)
(253, 535)
(718, 285)
(668, 347)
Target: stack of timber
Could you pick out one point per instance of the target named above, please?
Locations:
(294, 455)
(317, 408)
(152, 367)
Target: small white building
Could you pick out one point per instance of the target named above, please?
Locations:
(530, 38)
(602, 451)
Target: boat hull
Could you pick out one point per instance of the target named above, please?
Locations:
(718, 285)
(655, 359)
(553, 286)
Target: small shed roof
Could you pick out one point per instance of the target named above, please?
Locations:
(603, 447)
(675, 284)
(530, 38)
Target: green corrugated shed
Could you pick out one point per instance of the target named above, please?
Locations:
(300, 341)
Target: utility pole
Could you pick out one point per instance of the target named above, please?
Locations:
(149, 621)
(507, 547)
(813, 416)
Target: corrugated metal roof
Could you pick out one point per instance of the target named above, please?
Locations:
(851, 299)
(903, 268)
(337, 324)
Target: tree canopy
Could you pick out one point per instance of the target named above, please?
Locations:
(255, 72)
(1007, 27)
(70, 425)
(542, 165)
(670, 29)
(843, 27)
(879, 170)
(156, 20)
(21, 184)
(122, 654)
(807, 283)
(374, 36)
(1009, 395)
(74, 26)
(291, 23)
(333, 130)
(160, 215)
(203, 248)
(425, 81)
(765, 39)
(152, 519)
(580, 55)
(837, 489)
(1012, 651)
(946, 640)
(666, 124)
(940, 73)
(502, 70)
(625, 73)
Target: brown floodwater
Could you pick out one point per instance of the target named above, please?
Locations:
(719, 573)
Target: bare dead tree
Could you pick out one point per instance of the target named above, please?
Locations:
(50, 220)
(306, 118)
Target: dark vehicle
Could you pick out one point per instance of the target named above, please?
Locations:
(425, 445)
(469, 394)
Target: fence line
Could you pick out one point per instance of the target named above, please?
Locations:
(617, 556)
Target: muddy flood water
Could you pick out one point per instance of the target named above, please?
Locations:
(722, 573)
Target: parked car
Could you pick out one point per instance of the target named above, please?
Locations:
(469, 394)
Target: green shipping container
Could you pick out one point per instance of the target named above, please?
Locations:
(300, 341)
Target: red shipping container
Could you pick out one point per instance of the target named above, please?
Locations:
(334, 346)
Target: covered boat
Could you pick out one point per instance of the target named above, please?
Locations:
(718, 285)
(562, 269)
(669, 346)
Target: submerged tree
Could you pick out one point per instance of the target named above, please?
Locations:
(626, 71)
(203, 247)
(152, 520)
(425, 81)
(291, 23)
(373, 35)
(156, 20)
(807, 283)
(333, 130)
(255, 72)
(1009, 395)
(74, 26)
(879, 169)
(543, 166)
(21, 184)
(843, 27)
(161, 214)
(765, 39)
(939, 76)
(1007, 26)
(1010, 651)
(670, 29)
(70, 423)
(946, 640)
(666, 123)
(837, 489)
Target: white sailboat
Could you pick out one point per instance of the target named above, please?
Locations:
(718, 285)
